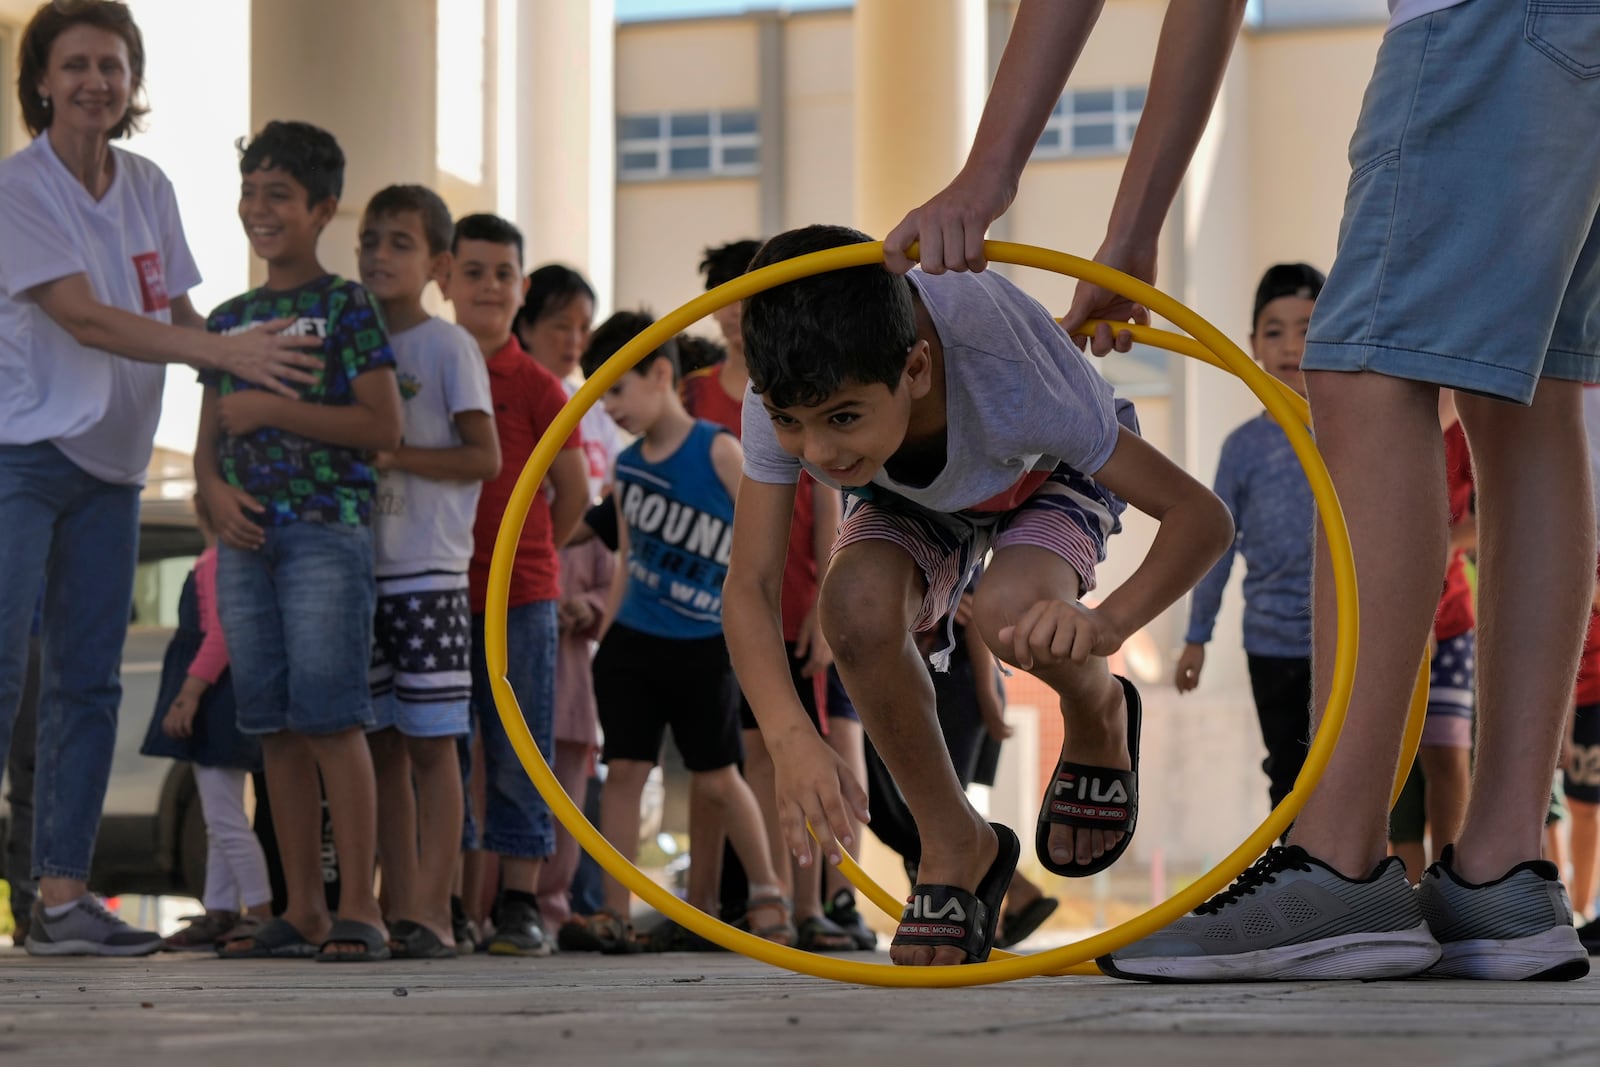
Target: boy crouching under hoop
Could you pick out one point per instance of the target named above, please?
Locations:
(959, 418)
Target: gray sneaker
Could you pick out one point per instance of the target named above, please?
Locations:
(87, 930)
(1290, 918)
(1516, 928)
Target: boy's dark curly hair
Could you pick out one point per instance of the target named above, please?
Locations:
(307, 153)
(431, 210)
(487, 227)
(806, 339)
(697, 353)
(723, 263)
(622, 327)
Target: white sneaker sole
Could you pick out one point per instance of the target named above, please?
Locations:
(1556, 955)
(89, 948)
(1401, 954)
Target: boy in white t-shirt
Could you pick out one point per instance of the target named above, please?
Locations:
(423, 515)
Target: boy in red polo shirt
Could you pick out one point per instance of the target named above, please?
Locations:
(486, 287)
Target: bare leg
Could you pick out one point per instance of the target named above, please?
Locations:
(746, 830)
(296, 797)
(1536, 551)
(1413, 854)
(846, 739)
(708, 839)
(438, 838)
(1448, 773)
(869, 599)
(1093, 708)
(555, 880)
(1380, 439)
(346, 765)
(397, 825)
(619, 822)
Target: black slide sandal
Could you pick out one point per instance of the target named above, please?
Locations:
(1093, 798)
(945, 915)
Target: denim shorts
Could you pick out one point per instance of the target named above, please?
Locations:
(516, 820)
(1469, 253)
(297, 613)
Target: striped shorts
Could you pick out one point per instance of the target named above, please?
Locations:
(1070, 515)
(1450, 680)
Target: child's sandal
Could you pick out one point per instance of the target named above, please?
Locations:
(781, 932)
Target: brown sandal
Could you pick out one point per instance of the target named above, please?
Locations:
(779, 933)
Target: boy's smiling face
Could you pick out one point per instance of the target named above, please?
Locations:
(851, 434)
(486, 286)
(282, 226)
(394, 259)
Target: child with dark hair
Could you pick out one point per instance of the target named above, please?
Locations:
(718, 394)
(960, 418)
(427, 501)
(553, 325)
(1261, 481)
(290, 484)
(196, 721)
(486, 287)
(662, 660)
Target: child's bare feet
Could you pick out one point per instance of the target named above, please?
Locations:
(956, 856)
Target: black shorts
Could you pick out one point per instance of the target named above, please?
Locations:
(1581, 780)
(839, 706)
(644, 684)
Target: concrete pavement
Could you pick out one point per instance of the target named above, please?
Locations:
(717, 1009)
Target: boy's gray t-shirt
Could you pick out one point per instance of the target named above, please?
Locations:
(1019, 397)
(423, 524)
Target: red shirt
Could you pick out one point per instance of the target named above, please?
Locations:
(1588, 690)
(1455, 615)
(526, 400)
(705, 398)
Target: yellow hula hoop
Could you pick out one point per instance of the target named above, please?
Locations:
(1056, 960)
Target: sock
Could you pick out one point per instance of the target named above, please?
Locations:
(517, 894)
(55, 911)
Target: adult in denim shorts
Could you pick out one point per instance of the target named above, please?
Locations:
(1469, 258)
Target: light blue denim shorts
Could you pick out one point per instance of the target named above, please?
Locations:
(297, 613)
(1469, 254)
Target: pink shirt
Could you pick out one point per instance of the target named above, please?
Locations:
(585, 575)
(212, 659)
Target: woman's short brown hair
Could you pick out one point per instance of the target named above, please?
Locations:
(33, 56)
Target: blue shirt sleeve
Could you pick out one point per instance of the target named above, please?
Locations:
(1207, 598)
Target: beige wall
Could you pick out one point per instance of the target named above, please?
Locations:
(819, 132)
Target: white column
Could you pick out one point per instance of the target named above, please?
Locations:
(566, 135)
(920, 69)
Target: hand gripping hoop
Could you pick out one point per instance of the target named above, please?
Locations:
(1206, 343)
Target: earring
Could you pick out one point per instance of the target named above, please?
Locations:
(44, 101)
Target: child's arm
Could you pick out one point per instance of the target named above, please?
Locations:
(210, 660)
(1207, 598)
(1195, 529)
(373, 422)
(230, 506)
(596, 592)
(569, 478)
(811, 646)
(812, 783)
(475, 459)
(619, 573)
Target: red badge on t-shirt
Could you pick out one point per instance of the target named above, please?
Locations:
(152, 282)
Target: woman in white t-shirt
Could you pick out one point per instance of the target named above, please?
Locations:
(94, 270)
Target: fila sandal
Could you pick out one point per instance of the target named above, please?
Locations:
(1085, 797)
(946, 915)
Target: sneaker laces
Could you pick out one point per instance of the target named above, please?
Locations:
(97, 907)
(1265, 870)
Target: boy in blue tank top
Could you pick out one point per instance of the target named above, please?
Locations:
(663, 662)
